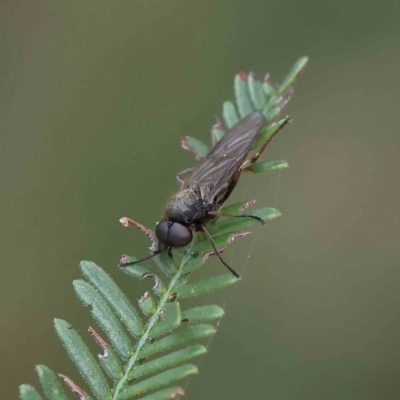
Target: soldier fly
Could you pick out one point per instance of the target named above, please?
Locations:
(208, 186)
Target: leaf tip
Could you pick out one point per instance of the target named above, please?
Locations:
(87, 265)
(242, 75)
(28, 392)
(41, 369)
(177, 393)
(74, 387)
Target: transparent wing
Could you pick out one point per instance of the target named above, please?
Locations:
(215, 171)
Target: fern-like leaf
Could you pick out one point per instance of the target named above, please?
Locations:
(28, 392)
(50, 384)
(131, 355)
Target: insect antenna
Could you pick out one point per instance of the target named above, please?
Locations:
(123, 265)
(204, 229)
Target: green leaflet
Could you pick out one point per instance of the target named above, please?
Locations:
(28, 392)
(266, 214)
(296, 71)
(111, 364)
(167, 361)
(202, 314)
(103, 315)
(260, 167)
(237, 208)
(138, 270)
(269, 132)
(166, 264)
(195, 146)
(220, 241)
(256, 91)
(83, 359)
(177, 339)
(205, 286)
(165, 394)
(117, 300)
(162, 379)
(242, 95)
(50, 384)
(170, 319)
(147, 304)
(229, 113)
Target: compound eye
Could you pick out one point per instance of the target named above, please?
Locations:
(173, 234)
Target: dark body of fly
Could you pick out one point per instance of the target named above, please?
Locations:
(209, 185)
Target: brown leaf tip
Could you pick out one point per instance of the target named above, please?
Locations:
(100, 341)
(177, 393)
(73, 386)
(248, 204)
(123, 261)
(242, 75)
(127, 222)
(212, 253)
(145, 296)
(237, 235)
(155, 278)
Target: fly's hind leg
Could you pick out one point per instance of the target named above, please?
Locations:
(221, 214)
(216, 251)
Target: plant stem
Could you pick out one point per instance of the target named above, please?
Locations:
(152, 322)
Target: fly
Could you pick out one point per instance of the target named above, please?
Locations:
(208, 186)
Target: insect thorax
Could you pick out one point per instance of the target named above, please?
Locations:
(187, 207)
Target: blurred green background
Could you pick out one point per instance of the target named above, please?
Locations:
(94, 98)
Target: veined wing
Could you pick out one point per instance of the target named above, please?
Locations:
(214, 172)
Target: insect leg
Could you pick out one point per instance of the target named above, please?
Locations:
(123, 264)
(184, 172)
(221, 214)
(204, 229)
